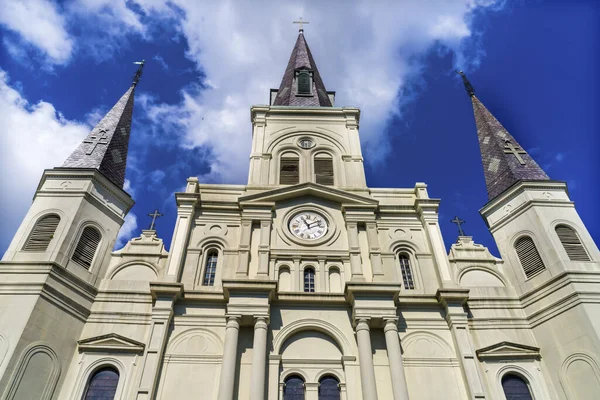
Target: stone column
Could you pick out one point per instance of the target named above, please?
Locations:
(226, 383)
(259, 358)
(365, 358)
(392, 343)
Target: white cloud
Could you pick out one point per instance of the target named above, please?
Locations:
(34, 137)
(362, 52)
(39, 23)
(127, 230)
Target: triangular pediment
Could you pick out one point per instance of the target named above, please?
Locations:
(507, 351)
(111, 342)
(309, 189)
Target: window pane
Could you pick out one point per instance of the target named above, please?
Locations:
(324, 171)
(293, 389)
(304, 83)
(103, 385)
(407, 277)
(515, 388)
(289, 173)
(329, 389)
(211, 269)
(309, 280)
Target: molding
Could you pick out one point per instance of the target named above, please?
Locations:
(506, 351)
(110, 343)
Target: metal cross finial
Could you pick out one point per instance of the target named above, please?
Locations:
(95, 140)
(154, 215)
(515, 150)
(138, 73)
(301, 22)
(459, 223)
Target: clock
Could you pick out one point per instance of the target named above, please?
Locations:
(308, 225)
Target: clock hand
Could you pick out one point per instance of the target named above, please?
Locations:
(305, 223)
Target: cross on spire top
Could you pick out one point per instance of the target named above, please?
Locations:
(154, 215)
(459, 223)
(301, 22)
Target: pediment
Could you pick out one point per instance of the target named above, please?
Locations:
(508, 351)
(309, 189)
(111, 343)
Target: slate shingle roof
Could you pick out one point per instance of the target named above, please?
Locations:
(301, 58)
(106, 147)
(501, 167)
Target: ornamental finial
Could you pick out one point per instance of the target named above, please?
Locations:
(138, 73)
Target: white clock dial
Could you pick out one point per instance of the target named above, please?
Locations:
(308, 225)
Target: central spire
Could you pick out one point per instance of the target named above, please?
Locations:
(302, 85)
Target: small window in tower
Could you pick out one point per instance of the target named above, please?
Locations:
(42, 233)
(407, 276)
(304, 82)
(86, 247)
(528, 255)
(571, 243)
(211, 268)
(289, 173)
(324, 169)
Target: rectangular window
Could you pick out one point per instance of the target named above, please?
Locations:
(324, 171)
(289, 172)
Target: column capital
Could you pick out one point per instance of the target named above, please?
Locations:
(261, 322)
(362, 323)
(390, 324)
(233, 321)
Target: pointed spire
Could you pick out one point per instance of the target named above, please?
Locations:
(468, 86)
(106, 147)
(301, 60)
(505, 162)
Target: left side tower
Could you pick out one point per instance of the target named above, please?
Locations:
(50, 272)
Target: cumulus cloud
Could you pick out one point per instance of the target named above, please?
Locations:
(127, 231)
(34, 137)
(38, 23)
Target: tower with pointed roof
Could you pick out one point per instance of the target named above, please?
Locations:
(63, 247)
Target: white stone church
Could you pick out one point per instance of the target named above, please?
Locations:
(303, 284)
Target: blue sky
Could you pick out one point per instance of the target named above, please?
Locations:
(534, 64)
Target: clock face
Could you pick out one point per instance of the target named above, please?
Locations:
(308, 225)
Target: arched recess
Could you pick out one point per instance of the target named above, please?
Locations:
(99, 248)
(136, 271)
(404, 247)
(90, 370)
(196, 341)
(208, 245)
(36, 375)
(335, 279)
(311, 324)
(284, 279)
(3, 347)
(324, 139)
(480, 276)
(524, 374)
(426, 345)
(580, 377)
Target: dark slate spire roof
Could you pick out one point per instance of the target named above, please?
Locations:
(301, 58)
(105, 148)
(504, 161)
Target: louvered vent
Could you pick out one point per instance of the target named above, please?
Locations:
(304, 83)
(324, 171)
(86, 248)
(289, 171)
(528, 255)
(571, 243)
(42, 233)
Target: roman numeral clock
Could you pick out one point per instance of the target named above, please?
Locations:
(308, 225)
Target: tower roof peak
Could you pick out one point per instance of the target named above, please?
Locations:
(301, 84)
(505, 162)
(106, 146)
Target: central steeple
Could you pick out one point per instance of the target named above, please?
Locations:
(302, 85)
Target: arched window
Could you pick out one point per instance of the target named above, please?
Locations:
(293, 388)
(528, 255)
(570, 241)
(309, 280)
(289, 171)
(323, 169)
(405, 269)
(102, 385)
(211, 267)
(42, 233)
(86, 247)
(515, 388)
(329, 388)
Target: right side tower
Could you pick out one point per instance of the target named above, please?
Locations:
(552, 261)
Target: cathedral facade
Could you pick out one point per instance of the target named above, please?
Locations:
(303, 284)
